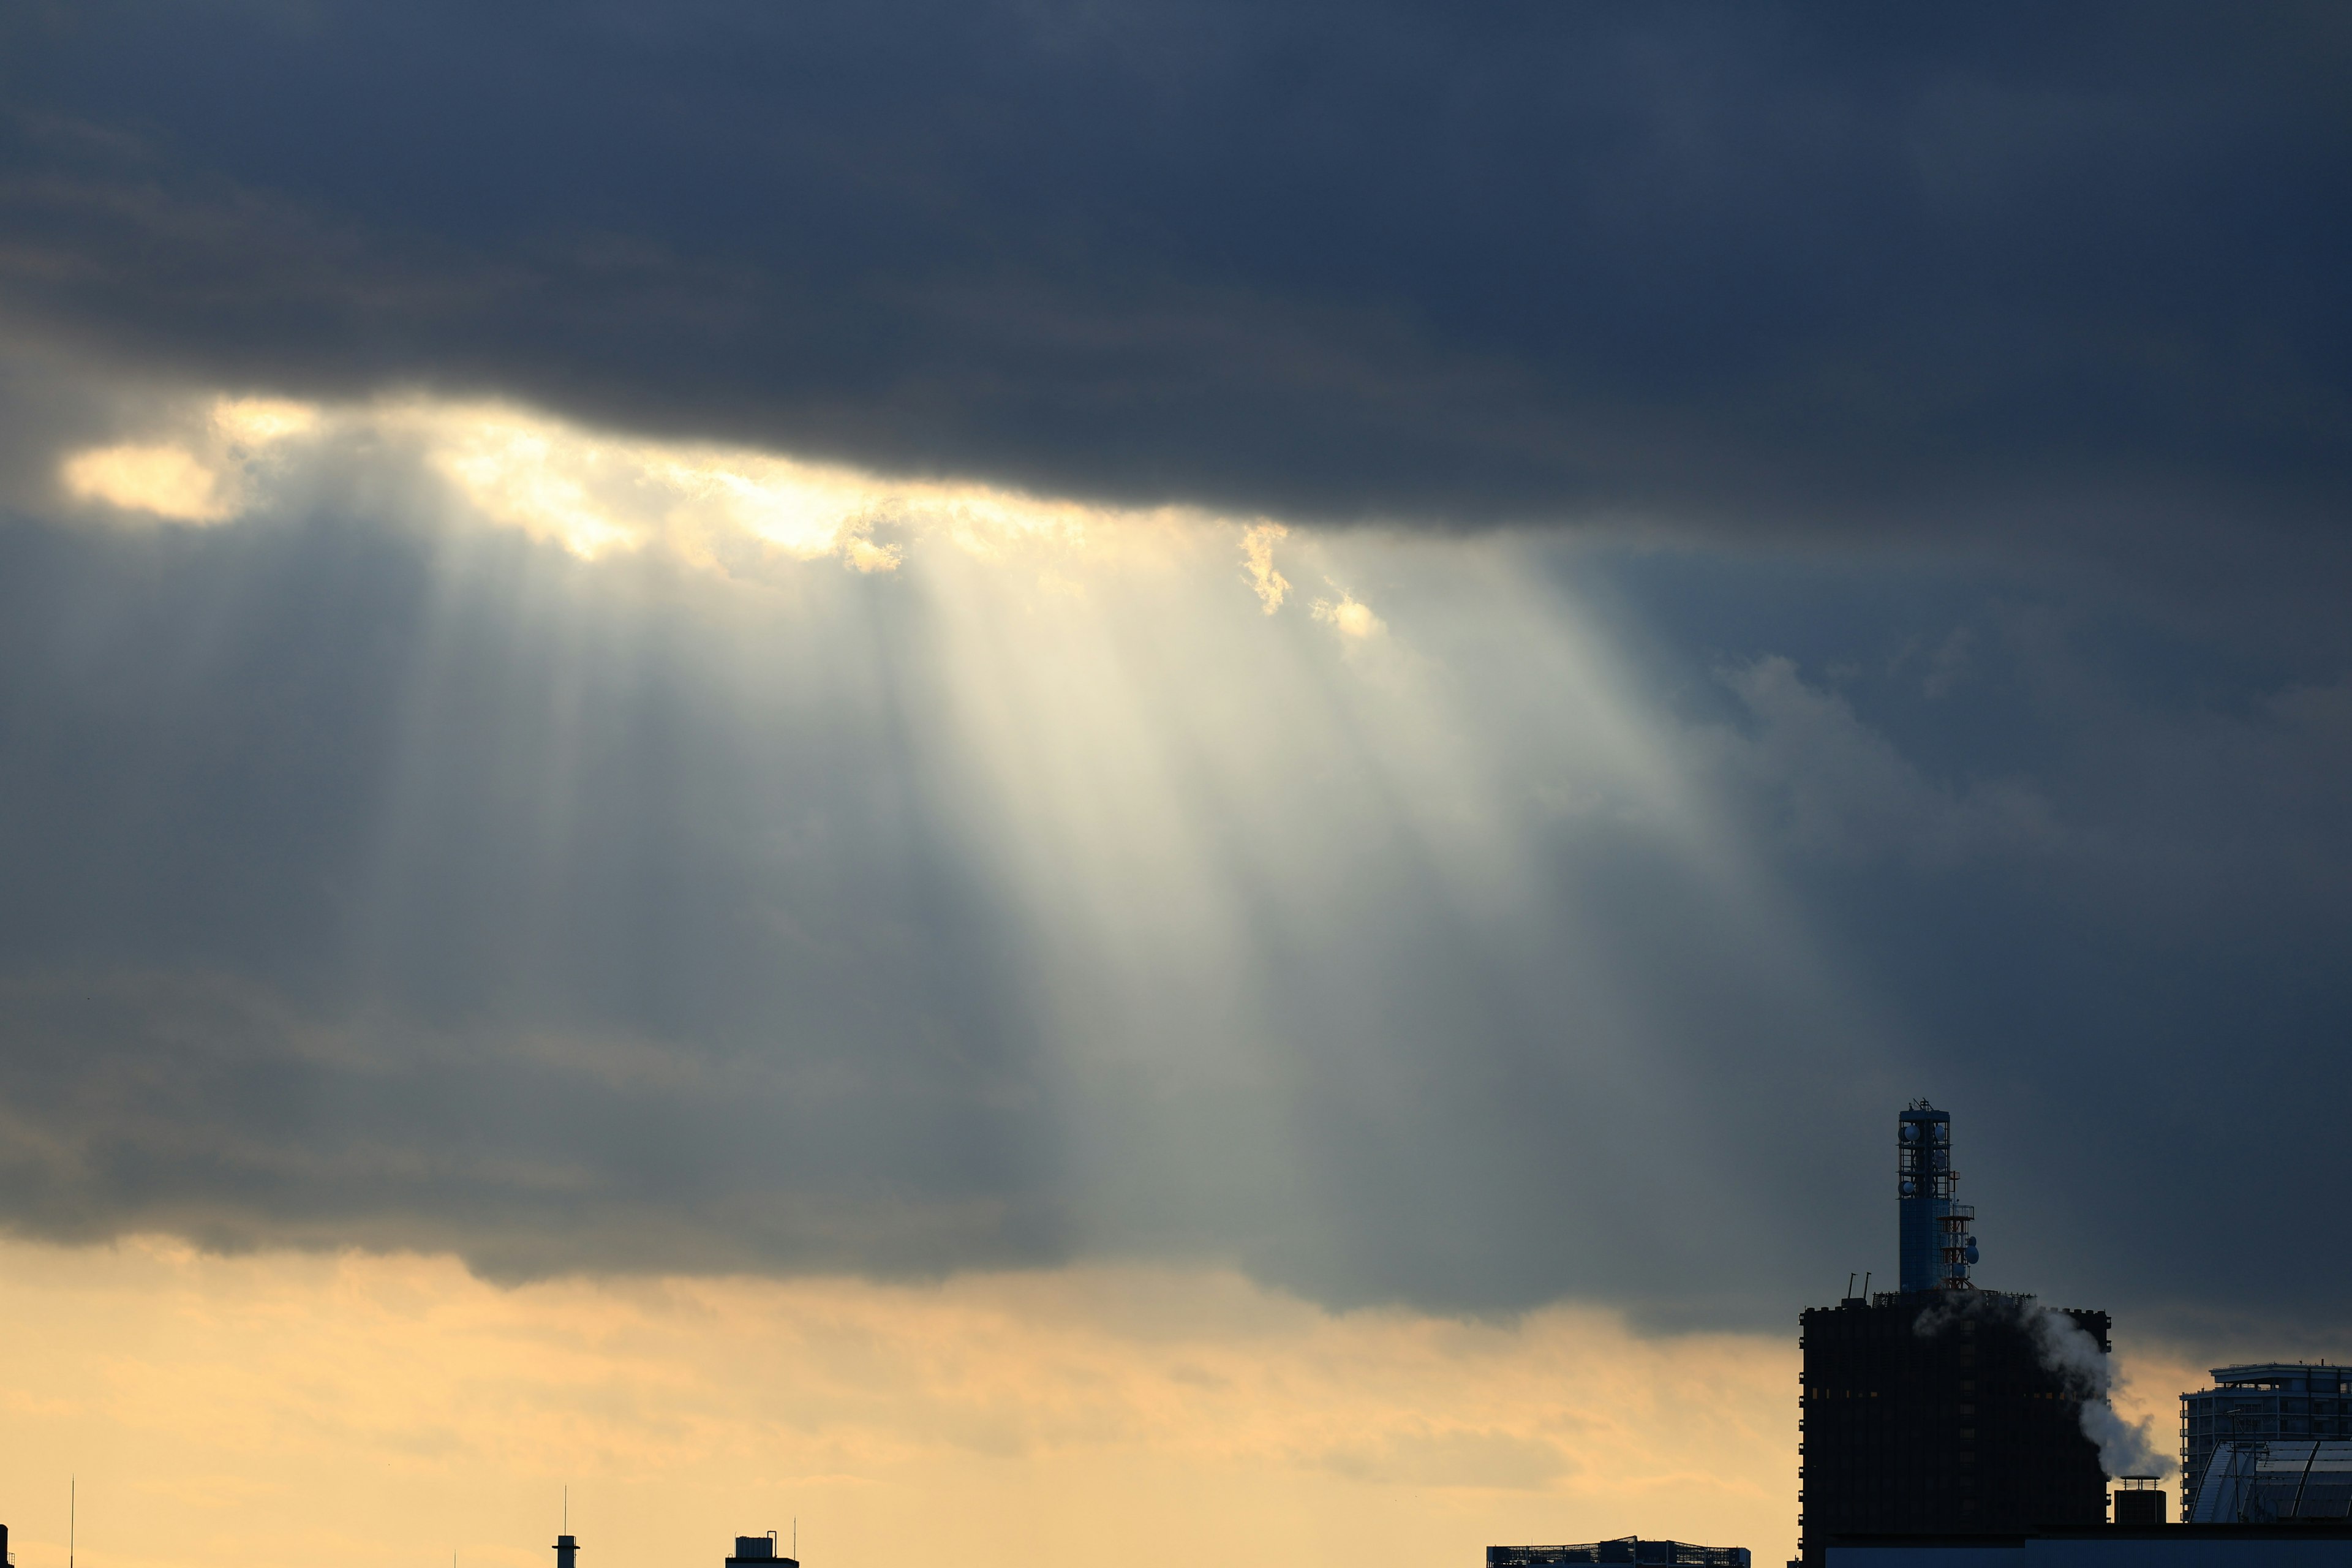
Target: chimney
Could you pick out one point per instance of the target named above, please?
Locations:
(566, 1550)
(1938, 1243)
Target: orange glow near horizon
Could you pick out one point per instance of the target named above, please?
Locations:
(279, 1408)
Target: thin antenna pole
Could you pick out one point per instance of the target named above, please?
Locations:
(567, 1508)
(73, 1515)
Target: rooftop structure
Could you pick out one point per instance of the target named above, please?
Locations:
(2265, 1401)
(2275, 1483)
(2137, 1500)
(760, 1551)
(1627, 1549)
(1937, 1244)
(567, 1552)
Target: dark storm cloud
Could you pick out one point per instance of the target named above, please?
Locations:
(2061, 267)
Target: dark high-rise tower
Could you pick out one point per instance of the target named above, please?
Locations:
(1939, 1408)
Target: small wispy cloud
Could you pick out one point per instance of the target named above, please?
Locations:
(1349, 616)
(1257, 555)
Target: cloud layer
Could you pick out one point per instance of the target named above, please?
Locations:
(722, 640)
(2064, 276)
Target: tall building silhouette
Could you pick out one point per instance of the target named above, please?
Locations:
(1938, 1408)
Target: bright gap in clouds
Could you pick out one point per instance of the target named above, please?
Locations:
(599, 493)
(200, 478)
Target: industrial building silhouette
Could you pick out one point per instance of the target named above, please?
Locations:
(1938, 1408)
(1941, 1423)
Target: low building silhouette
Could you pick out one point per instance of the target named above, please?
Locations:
(2137, 1501)
(1625, 1549)
(760, 1551)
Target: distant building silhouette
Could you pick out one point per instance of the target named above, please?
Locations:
(760, 1551)
(2260, 1403)
(1627, 1549)
(2113, 1546)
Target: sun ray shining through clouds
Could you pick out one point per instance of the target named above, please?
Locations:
(677, 772)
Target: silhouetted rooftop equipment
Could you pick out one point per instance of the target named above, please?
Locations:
(2137, 1500)
(1938, 1246)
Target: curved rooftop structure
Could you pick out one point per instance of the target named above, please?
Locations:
(2275, 1482)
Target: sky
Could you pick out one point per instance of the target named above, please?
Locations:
(1012, 772)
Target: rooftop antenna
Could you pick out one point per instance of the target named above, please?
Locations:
(1866, 1282)
(1849, 1285)
(73, 1514)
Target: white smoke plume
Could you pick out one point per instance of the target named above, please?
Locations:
(2064, 1347)
(2126, 1448)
